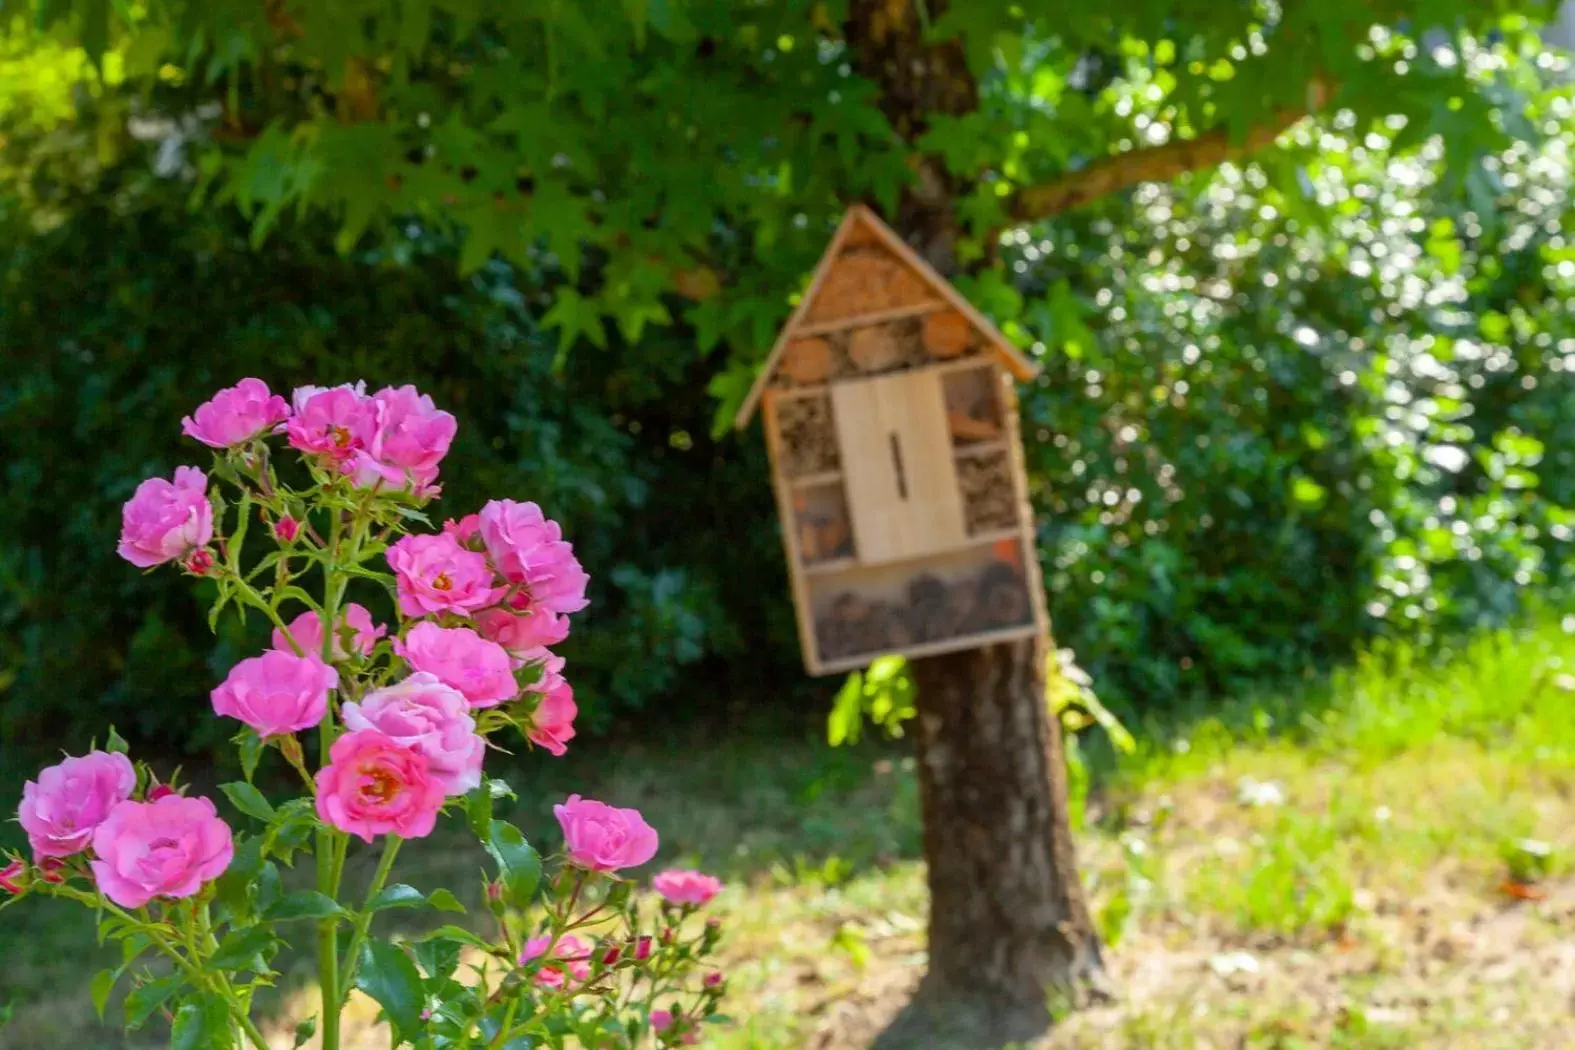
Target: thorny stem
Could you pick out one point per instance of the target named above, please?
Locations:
(327, 873)
(363, 921)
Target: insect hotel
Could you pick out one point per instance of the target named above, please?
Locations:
(891, 422)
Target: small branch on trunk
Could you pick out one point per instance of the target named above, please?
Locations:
(1159, 163)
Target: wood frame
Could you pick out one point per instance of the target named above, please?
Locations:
(880, 584)
(860, 216)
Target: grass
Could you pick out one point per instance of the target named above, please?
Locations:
(1320, 868)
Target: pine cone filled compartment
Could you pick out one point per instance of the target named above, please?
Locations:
(864, 612)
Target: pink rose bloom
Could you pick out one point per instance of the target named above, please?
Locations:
(460, 658)
(466, 530)
(236, 414)
(602, 837)
(552, 723)
(529, 550)
(435, 574)
(276, 693)
(522, 633)
(166, 520)
(661, 1020)
(332, 422)
(687, 887)
(68, 800)
(168, 848)
(409, 440)
(307, 631)
(429, 718)
(376, 786)
(574, 951)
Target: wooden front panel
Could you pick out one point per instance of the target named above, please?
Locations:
(901, 481)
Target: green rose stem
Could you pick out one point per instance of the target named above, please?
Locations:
(209, 982)
(363, 921)
(330, 857)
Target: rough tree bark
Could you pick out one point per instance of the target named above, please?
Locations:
(1008, 924)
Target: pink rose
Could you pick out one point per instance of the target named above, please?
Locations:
(661, 1020)
(332, 422)
(12, 876)
(68, 800)
(603, 838)
(409, 440)
(460, 658)
(236, 414)
(432, 720)
(435, 574)
(307, 631)
(528, 550)
(375, 786)
(276, 693)
(519, 634)
(692, 888)
(168, 848)
(166, 520)
(574, 951)
(467, 531)
(552, 723)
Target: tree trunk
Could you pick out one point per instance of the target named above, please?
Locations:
(1009, 931)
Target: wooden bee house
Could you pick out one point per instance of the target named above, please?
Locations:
(891, 422)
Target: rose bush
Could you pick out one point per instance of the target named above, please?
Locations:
(402, 715)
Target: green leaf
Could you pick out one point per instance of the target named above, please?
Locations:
(847, 712)
(389, 977)
(478, 811)
(116, 743)
(251, 746)
(304, 904)
(397, 896)
(443, 900)
(304, 1031)
(458, 934)
(248, 800)
(143, 1000)
(242, 949)
(518, 863)
(103, 984)
(202, 1024)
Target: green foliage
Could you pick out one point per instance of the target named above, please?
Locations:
(132, 312)
(1301, 403)
(1284, 409)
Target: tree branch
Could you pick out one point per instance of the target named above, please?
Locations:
(1149, 164)
(1162, 163)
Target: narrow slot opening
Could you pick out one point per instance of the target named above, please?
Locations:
(896, 462)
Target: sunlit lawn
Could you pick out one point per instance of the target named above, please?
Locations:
(1325, 868)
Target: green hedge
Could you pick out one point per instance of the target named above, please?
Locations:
(1270, 428)
(121, 320)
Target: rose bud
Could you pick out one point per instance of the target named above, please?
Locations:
(713, 979)
(286, 529)
(199, 562)
(610, 957)
(13, 877)
(159, 791)
(642, 949)
(52, 869)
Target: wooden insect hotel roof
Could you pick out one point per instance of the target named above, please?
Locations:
(867, 276)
